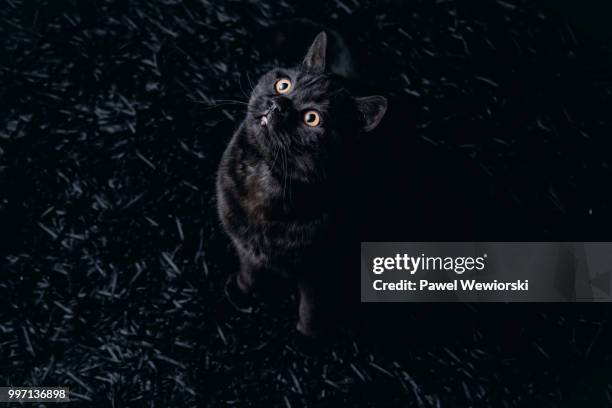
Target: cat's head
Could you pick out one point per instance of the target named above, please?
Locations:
(305, 110)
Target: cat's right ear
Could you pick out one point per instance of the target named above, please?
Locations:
(371, 110)
(314, 61)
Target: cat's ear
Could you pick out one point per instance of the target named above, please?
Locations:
(371, 110)
(314, 61)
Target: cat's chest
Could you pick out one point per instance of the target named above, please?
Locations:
(259, 183)
(271, 197)
(261, 191)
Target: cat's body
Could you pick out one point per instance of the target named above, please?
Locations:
(269, 216)
(279, 175)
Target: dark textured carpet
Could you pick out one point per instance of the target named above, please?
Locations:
(113, 118)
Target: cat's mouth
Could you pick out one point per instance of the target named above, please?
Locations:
(264, 120)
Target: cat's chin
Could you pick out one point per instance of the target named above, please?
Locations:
(263, 122)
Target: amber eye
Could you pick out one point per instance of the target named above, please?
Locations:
(312, 118)
(282, 86)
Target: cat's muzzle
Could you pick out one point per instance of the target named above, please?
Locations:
(279, 106)
(264, 120)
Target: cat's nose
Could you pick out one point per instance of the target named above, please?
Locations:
(280, 104)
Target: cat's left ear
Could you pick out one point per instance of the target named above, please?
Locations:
(314, 61)
(371, 109)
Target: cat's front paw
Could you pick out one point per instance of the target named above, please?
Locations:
(241, 301)
(308, 330)
(308, 341)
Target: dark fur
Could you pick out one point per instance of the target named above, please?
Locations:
(276, 183)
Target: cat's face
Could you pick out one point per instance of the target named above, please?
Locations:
(295, 108)
(305, 111)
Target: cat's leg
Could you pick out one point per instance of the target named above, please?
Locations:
(310, 322)
(249, 276)
(242, 287)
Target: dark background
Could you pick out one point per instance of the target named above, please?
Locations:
(113, 119)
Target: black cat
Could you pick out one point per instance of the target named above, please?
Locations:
(279, 177)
